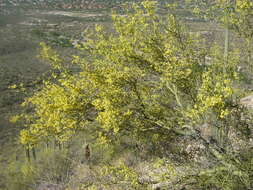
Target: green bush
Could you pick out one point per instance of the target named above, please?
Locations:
(51, 167)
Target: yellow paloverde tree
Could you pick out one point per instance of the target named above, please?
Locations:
(147, 79)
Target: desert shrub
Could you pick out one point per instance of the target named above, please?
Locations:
(51, 167)
(20, 176)
(230, 177)
(117, 176)
(144, 86)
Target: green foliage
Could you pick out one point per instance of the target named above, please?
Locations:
(38, 33)
(52, 167)
(121, 173)
(20, 176)
(115, 177)
(232, 177)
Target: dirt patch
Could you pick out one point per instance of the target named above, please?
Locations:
(247, 101)
(72, 14)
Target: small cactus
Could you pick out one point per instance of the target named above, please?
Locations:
(87, 152)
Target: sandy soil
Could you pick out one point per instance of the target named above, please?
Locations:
(71, 14)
